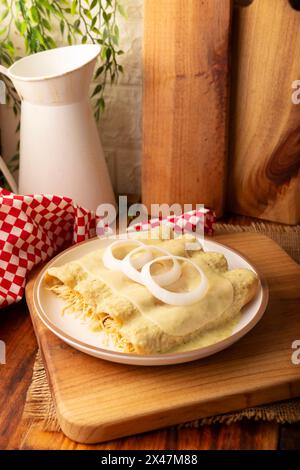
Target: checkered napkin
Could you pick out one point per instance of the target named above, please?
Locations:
(32, 229)
(201, 220)
(35, 227)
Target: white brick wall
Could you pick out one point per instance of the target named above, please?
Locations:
(120, 127)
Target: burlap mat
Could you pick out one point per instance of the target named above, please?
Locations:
(39, 404)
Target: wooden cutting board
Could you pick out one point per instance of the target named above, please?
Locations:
(98, 400)
(265, 124)
(185, 105)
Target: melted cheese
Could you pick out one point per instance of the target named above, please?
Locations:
(139, 321)
(173, 320)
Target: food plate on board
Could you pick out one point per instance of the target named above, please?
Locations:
(150, 301)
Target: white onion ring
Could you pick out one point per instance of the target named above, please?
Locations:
(130, 269)
(139, 261)
(110, 261)
(170, 276)
(163, 279)
(174, 298)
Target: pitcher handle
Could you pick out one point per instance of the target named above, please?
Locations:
(4, 70)
(8, 176)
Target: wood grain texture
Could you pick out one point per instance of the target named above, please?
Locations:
(185, 102)
(265, 145)
(16, 433)
(103, 401)
(15, 376)
(244, 435)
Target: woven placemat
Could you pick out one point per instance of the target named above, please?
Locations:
(286, 236)
(39, 403)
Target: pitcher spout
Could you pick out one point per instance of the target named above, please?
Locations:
(55, 77)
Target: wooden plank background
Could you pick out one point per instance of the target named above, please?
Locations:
(185, 106)
(264, 178)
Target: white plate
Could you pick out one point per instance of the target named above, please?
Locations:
(77, 334)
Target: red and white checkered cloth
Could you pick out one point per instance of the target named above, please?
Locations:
(35, 227)
(201, 220)
(32, 229)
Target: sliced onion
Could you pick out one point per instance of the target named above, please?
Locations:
(170, 276)
(174, 298)
(130, 269)
(139, 261)
(113, 263)
(163, 279)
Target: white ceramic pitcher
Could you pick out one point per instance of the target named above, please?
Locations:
(60, 148)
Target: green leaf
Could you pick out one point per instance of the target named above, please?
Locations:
(33, 45)
(106, 16)
(34, 14)
(69, 37)
(120, 68)
(94, 21)
(76, 24)
(121, 10)
(96, 30)
(99, 71)
(97, 115)
(9, 47)
(62, 27)
(87, 13)
(41, 8)
(46, 4)
(93, 4)
(103, 53)
(97, 89)
(84, 39)
(73, 7)
(22, 27)
(39, 37)
(108, 54)
(6, 59)
(115, 40)
(46, 24)
(3, 30)
(105, 33)
(4, 15)
(101, 104)
(50, 42)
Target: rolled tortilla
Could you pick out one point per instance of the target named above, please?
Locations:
(138, 322)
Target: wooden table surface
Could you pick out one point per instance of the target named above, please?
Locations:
(17, 332)
(15, 376)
